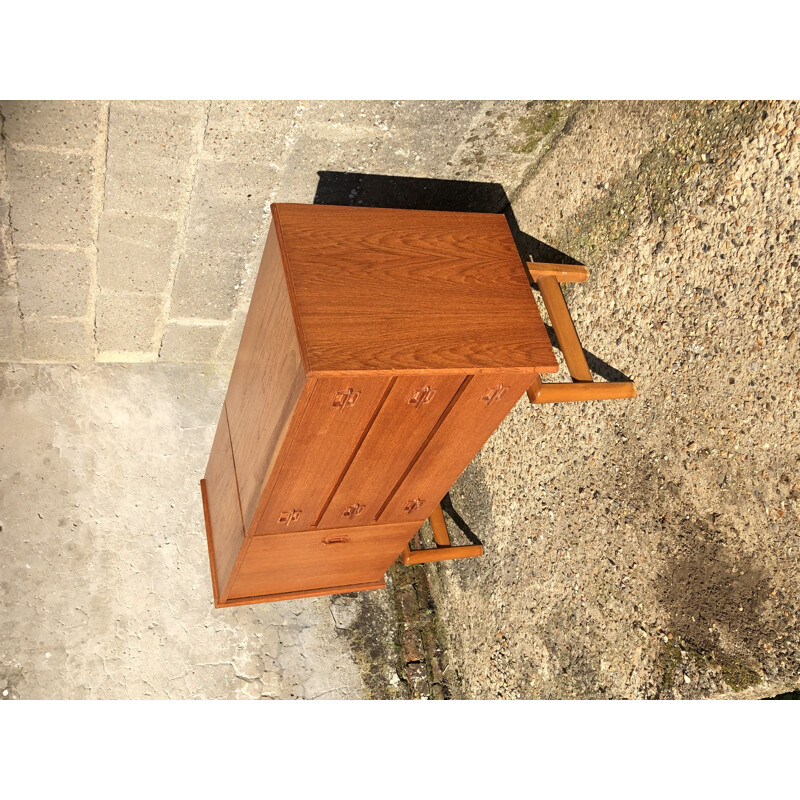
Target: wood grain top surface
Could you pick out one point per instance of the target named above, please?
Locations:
(404, 290)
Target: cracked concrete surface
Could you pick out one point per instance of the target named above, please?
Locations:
(104, 583)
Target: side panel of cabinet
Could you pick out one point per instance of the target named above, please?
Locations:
(320, 444)
(414, 405)
(481, 405)
(309, 560)
(224, 516)
(267, 380)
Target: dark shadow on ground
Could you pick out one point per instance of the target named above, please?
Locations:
(447, 507)
(432, 194)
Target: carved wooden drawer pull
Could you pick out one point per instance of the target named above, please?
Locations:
(353, 510)
(413, 505)
(495, 393)
(343, 399)
(421, 396)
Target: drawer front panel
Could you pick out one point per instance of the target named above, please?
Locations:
(319, 559)
(317, 449)
(480, 407)
(224, 513)
(414, 405)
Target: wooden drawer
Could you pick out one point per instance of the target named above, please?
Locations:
(268, 383)
(317, 449)
(221, 506)
(413, 407)
(318, 560)
(480, 407)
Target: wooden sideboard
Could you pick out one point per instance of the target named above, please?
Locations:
(381, 350)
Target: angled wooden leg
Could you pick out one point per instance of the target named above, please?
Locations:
(539, 393)
(548, 278)
(564, 327)
(443, 551)
(440, 534)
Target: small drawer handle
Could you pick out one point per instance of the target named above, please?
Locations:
(335, 539)
(354, 510)
(494, 393)
(413, 505)
(342, 400)
(421, 397)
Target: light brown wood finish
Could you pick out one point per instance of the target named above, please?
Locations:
(409, 556)
(443, 551)
(403, 290)
(476, 411)
(318, 451)
(540, 393)
(563, 273)
(548, 278)
(381, 349)
(439, 527)
(310, 560)
(223, 513)
(267, 380)
(209, 538)
(413, 407)
(274, 598)
(564, 328)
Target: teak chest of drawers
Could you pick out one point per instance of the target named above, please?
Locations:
(381, 350)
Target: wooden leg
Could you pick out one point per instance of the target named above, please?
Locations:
(443, 551)
(540, 393)
(534, 389)
(440, 534)
(548, 278)
(565, 329)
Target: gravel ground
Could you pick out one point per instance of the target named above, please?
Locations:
(649, 548)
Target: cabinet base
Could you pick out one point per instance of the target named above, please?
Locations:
(399, 534)
(272, 598)
(211, 560)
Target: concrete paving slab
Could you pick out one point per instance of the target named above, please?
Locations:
(251, 131)
(135, 253)
(68, 124)
(149, 162)
(229, 203)
(127, 322)
(10, 328)
(208, 284)
(57, 340)
(53, 283)
(52, 198)
(191, 343)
